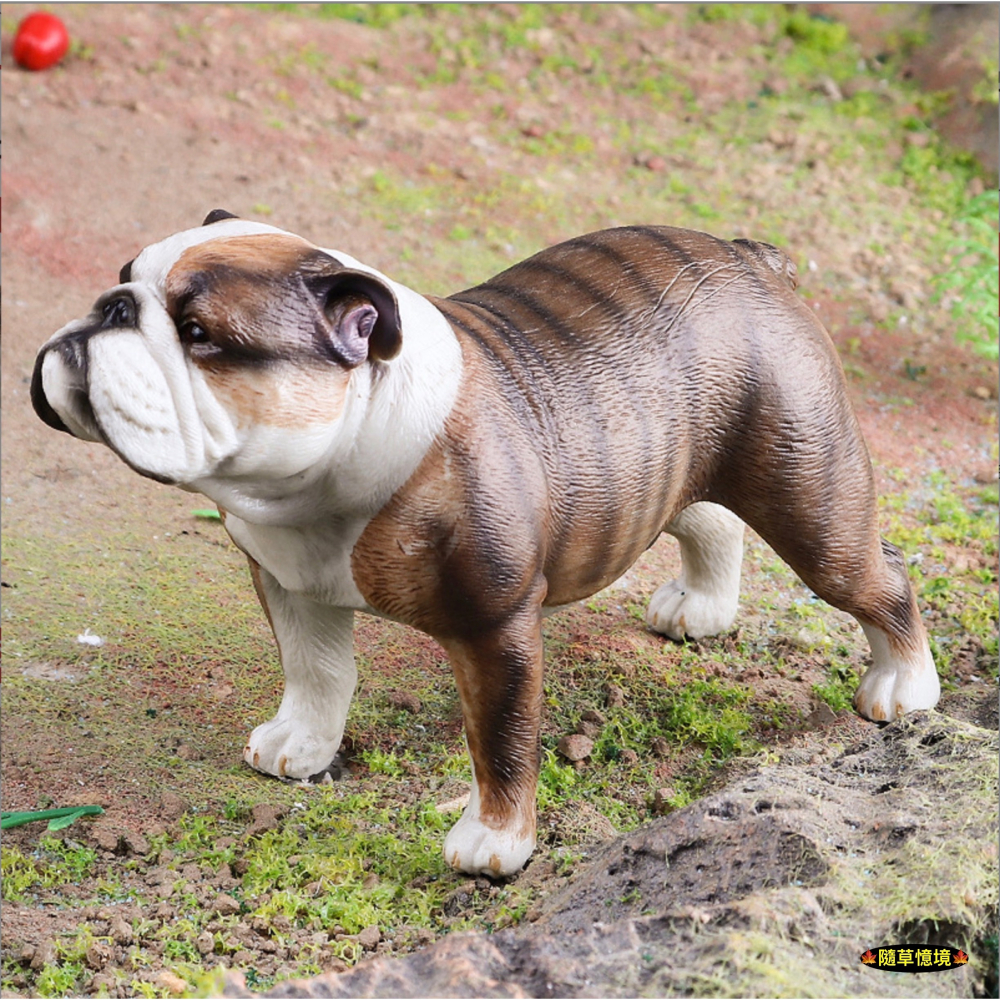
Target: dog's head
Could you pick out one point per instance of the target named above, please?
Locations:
(231, 350)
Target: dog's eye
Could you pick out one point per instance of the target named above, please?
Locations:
(193, 333)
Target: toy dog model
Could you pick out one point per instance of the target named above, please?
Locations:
(460, 464)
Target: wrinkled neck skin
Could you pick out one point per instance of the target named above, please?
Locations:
(392, 412)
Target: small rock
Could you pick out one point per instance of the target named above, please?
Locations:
(454, 805)
(592, 715)
(172, 983)
(661, 800)
(575, 747)
(369, 937)
(107, 838)
(242, 958)
(331, 963)
(224, 878)
(578, 823)
(220, 693)
(172, 806)
(205, 943)
(225, 905)
(657, 164)
(405, 700)
(102, 984)
(98, 955)
(160, 874)
(829, 87)
(628, 758)
(27, 954)
(45, 954)
(121, 932)
(266, 816)
(458, 899)
(781, 140)
(821, 716)
(591, 729)
(981, 392)
(135, 842)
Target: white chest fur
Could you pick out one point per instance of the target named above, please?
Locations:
(314, 561)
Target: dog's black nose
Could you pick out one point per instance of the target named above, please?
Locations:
(119, 311)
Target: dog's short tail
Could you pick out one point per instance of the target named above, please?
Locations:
(777, 260)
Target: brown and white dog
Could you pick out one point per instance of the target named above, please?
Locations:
(461, 464)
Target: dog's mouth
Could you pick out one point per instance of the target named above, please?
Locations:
(76, 415)
(41, 404)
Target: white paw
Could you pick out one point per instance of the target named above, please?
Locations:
(288, 749)
(896, 683)
(679, 610)
(473, 847)
(886, 694)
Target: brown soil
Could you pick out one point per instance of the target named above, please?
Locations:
(167, 112)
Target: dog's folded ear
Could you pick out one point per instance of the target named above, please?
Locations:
(217, 215)
(362, 315)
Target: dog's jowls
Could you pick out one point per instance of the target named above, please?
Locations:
(459, 464)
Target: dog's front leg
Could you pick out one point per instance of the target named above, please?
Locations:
(317, 656)
(499, 675)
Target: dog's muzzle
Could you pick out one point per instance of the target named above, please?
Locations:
(65, 358)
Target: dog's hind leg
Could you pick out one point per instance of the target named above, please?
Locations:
(811, 495)
(874, 587)
(703, 599)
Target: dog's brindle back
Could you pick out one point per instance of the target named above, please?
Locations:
(519, 504)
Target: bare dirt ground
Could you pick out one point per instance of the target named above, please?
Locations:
(438, 155)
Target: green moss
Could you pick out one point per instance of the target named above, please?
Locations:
(375, 15)
(973, 279)
(928, 524)
(55, 863)
(838, 690)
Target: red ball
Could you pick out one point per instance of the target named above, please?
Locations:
(41, 41)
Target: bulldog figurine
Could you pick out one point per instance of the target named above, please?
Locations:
(463, 464)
